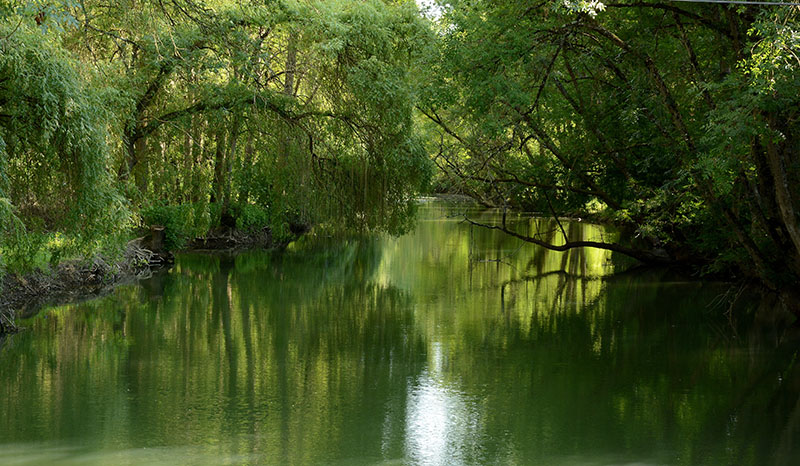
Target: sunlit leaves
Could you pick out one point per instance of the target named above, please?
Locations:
(775, 55)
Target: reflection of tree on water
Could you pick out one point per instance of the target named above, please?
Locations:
(387, 348)
(628, 344)
(770, 397)
(326, 336)
(276, 363)
(588, 350)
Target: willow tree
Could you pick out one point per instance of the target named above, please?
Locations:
(53, 154)
(303, 108)
(270, 114)
(675, 121)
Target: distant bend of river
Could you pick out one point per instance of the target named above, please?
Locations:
(449, 345)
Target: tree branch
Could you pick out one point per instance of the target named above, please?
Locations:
(662, 6)
(648, 257)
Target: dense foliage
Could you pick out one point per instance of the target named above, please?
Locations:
(677, 121)
(187, 113)
(53, 154)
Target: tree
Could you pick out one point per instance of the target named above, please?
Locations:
(655, 114)
(275, 115)
(53, 153)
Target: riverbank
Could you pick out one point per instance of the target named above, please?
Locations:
(72, 280)
(23, 295)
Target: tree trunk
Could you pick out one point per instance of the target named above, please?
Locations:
(186, 172)
(229, 158)
(783, 197)
(249, 153)
(139, 164)
(219, 165)
(198, 152)
(291, 64)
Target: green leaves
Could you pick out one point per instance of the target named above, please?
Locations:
(55, 164)
(775, 56)
(668, 118)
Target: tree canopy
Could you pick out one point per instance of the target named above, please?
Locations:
(677, 122)
(279, 112)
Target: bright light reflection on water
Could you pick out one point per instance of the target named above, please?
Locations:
(442, 426)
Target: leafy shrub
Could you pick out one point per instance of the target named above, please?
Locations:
(26, 254)
(181, 222)
(251, 218)
(184, 222)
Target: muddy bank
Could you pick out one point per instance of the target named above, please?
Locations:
(230, 239)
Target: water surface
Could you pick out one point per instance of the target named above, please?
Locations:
(450, 345)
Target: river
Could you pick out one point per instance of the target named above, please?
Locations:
(449, 345)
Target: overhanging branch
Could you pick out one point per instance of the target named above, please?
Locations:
(648, 257)
(268, 104)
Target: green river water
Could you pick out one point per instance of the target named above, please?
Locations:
(449, 345)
